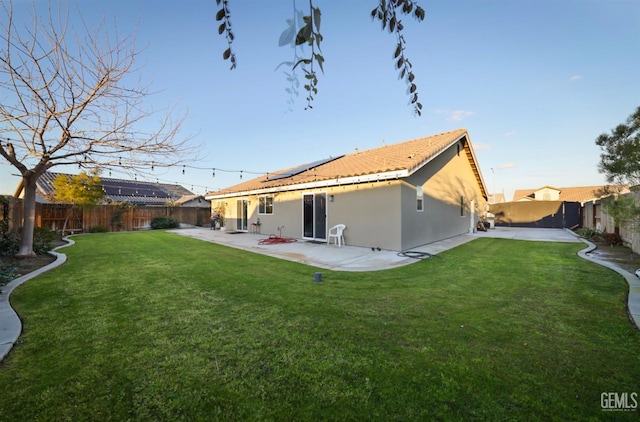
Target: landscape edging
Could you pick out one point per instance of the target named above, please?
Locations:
(10, 324)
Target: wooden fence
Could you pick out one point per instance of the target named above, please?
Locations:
(103, 217)
(595, 216)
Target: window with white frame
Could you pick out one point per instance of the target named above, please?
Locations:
(419, 199)
(265, 204)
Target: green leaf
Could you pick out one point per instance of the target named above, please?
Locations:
(221, 28)
(220, 15)
(400, 62)
(316, 18)
(226, 54)
(392, 24)
(320, 61)
(304, 34)
(398, 51)
(303, 61)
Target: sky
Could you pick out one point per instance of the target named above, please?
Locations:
(533, 81)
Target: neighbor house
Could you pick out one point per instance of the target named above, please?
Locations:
(393, 197)
(135, 192)
(126, 205)
(549, 206)
(580, 194)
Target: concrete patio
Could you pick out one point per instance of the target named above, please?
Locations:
(354, 258)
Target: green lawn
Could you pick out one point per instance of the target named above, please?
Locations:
(156, 326)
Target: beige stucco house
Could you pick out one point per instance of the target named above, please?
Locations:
(395, 197)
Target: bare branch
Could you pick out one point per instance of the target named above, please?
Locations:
(67, 97)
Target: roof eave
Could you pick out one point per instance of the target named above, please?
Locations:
(339, 181)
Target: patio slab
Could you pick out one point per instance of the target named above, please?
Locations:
(355, 258)
(321, 255)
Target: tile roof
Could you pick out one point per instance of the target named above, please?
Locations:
(569, 194)
(400, 159)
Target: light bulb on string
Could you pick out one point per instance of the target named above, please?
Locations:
(240, 174)
(152, 166)
(183, 169)
(214, 173)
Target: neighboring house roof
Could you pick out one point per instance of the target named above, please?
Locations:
(192, 200)
(568, 194)
(386, 162)
(120, 190)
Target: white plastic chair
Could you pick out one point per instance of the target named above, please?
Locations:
(335, 232)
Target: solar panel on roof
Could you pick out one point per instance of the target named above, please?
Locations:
(302, 168)
(126, 188)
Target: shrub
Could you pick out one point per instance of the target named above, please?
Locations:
(98, 229)
(612, 238)
(7, 273)
(9, 244)
(43, 239)
(586, 232)
(164, 223)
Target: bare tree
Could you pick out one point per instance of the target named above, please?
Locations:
(68, 96)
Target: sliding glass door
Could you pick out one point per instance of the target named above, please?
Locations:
(241, 215)
(314, 216)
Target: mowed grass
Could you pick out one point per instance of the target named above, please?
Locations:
(156, 326)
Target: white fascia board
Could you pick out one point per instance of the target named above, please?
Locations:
(366, 178)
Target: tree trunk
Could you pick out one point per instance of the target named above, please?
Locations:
(29, 223)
